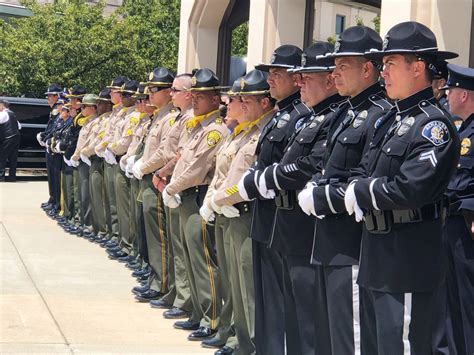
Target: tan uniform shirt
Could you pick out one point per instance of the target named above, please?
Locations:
(84, 135)
(109, 134)
(196, 164)
(152, 158)
(227, 192)
(124, 130)
(139, 132)
(97, 133)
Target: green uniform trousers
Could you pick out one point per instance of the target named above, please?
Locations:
(96, 187)
(122, 197)
(111, 202)
(84, 195)
(201, 262)
(242, 284)
(156, 238)
(67, 193)
(77, 197)
(135, 219)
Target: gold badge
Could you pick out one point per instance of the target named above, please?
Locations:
(213, 138)
(150, 77)
(465, 146)
(193, 81)
(242, 83)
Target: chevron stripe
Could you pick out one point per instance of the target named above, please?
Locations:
(232, 190)
(429, 156)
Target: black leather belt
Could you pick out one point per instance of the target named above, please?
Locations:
(191, 191)
(286, 199)
(94, 158)
(380, 222)
(322, 182)
(243, 207)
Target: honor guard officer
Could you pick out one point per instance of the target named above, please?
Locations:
(401, 200)
(268, 263)
(459, 228)
(9, 141)
(301, 160)
(147, 161)
(186, 190)
(336, 244)
(52, 95)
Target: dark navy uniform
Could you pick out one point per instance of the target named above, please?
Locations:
(53, 161)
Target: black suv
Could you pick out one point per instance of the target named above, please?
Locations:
(33, 115)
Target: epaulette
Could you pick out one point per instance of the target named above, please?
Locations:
(380, 101)
(301, 108)
(431, 110)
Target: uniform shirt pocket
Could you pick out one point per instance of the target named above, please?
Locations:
(394, 151)
(348, 150)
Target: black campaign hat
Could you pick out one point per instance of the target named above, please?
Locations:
(287, 56)
(439, 69)
(142, 92)
(130, 87)
(460, 77)
(205, 80)
(316, 59)
(54, 89)
(104, 95)
(235, 89)
(410, 38)
(76, 91)
(355, 41)
(118, 82)
(160, 77)
(254, 83)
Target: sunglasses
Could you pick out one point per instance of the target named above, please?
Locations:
(153, 89)
(173, 89)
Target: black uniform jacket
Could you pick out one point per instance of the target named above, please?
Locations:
(337, 236)
(270, 149)
(294, 230)
(401, 251)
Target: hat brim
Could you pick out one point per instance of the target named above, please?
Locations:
(311, 69)
(156, 83)
(52, 93)
(104, 100)
(140, 96)
(344, 54)
(438, 55)
(70, 96)
(267, 67)
(254, 93)
(87, 104)
(113, 87)
(213, 88)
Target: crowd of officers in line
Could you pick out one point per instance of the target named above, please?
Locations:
(324, 213)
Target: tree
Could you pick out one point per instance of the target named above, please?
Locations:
(240, 40)
(70, 42)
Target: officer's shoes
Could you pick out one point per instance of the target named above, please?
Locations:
(201, 333)
(60, 219)
(117, 254)
(44, 204)
(87, 234)
(140, 289)
(226, 350)
(111, 243)
(186, 325)
(48, 207)
(175, 313)
(53, 213)
(114, 249)
(125, 259)
(133, 265)
(141, 272)
(161, 303)
(214, 342)
(148, 296)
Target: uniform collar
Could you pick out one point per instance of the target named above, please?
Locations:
(288, 100)
(326, 103)
(468, 122)
(413, 100)
(193, 122)
(357, 100)
(162, 109)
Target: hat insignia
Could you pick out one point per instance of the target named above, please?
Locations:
(193, 81)
(150, 77)
(337, 45)
(385, 43)
(303, 60)
(242, 83)
(273, 58)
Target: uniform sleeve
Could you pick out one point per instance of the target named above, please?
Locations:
(197, 167)
(120, 147)
(80, 143)
(423, 177)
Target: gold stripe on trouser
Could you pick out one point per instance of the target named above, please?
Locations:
(163, 243)
(61, 198)
(211, 276)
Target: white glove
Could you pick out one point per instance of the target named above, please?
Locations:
(230, 211)
(207, 214)
(128, 174)
(306, 199)
(67, 161)
(40, 141)
(131, 160)
(171, 201)
(58, 147)
(262, 186)
(352, 206)
(137, 169)
(86, 159)
(109, 157)
(74, 163)
(241, 186)
(215, 206)
(99, 153)
(123, 165)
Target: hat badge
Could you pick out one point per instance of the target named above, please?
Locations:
(242, 83)
(272, 60)
(303, 60)
(150, 77)
(385, 43)
(193, 81)
(337, 45)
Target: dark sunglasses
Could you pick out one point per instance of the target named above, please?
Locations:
(153, 89)
(173, 89)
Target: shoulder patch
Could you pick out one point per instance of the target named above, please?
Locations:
(465, 146)
(134, 120)
(436, 132)
(172, 121)
(129, 132)
(213, 138)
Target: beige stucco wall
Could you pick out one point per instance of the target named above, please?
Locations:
(450, 20)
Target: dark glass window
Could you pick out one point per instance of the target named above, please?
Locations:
(340, 23)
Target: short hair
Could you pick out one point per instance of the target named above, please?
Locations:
(5, 103)
(411, 58)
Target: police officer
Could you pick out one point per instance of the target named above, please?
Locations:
(337, 238)
(459, 229)
(257, 107)
(186, 190)
(303, 154)
(401, 201)
(52, 95)
(268, 264)
(9, 141)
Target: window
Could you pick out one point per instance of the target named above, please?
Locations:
(340, 24)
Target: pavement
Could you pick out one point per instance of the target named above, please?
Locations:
(60, 294)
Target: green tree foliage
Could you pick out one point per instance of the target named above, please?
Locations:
(70, 42)
(376, 22)
(240, 40)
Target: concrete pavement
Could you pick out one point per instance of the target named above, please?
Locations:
(60, 294)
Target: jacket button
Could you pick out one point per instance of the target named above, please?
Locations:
(345, 139)
(388, 150)
(271, 137)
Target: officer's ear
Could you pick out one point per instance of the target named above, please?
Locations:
(329, 80)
